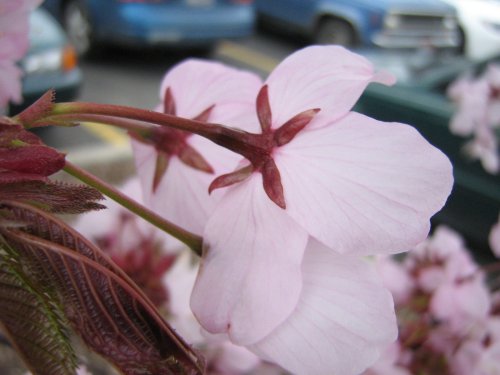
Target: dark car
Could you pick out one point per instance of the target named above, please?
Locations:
(419, 98)
(50, 62)
(153, 22)
(382, 23)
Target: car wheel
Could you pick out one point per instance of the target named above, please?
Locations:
(334, 31)
(77, 26)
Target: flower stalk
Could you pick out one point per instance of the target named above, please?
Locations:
(190, 239)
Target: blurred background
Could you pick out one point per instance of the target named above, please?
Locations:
(117, 51)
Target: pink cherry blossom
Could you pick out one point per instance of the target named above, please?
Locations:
(472, 97)
(444, 268)
(441, 258)
(188, 90)
(319, 181)
(357, 185)
(478, 115)
(484, 147)
(462, 303)
(14, 42)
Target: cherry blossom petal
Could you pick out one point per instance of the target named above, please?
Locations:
(461, 304)
(330, 78)
(250, 277)
(196, 85)
(344, 318)
(472, 108)
(364, 186)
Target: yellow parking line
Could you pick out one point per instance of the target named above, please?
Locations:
(107, 134)
(246, 56)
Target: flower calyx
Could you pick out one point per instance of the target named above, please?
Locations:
(170, 142)
(259, 148)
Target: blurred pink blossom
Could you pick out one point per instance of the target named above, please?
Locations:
(449, 319)
(14, 42)
(478, 115)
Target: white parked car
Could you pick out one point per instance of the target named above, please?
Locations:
(480, 23)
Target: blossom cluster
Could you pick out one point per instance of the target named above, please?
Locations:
(478, 115)
(448, 315)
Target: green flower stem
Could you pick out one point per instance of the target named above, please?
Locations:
(190, 239)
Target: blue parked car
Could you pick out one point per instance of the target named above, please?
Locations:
(383, 23)
(152, 22)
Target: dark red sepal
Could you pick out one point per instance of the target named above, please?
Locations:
(161, 165)
(169, 103)
(272, 183)
(264, 109)
(230, 178)
(204, 115)
(292, 127)
(194, 159)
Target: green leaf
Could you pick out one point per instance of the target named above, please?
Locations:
(109, 312)
(32, 321)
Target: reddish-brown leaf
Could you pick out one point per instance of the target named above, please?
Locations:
(102, 304)
(50, 196)
(32, 321)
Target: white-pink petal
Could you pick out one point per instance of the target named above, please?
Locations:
(250, 277)
(344, 318)
(327, 77)
(196, 85)
(364, 186)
